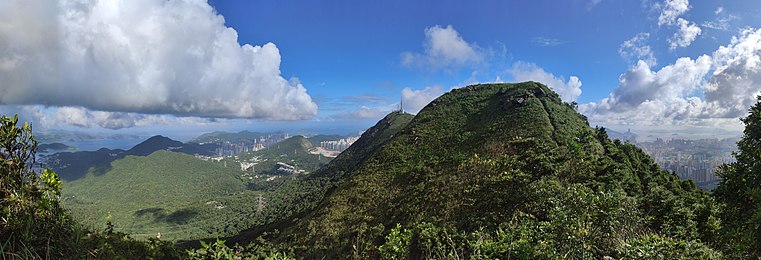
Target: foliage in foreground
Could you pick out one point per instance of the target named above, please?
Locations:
(34, 225)
(580, 196)
(32, 222)
(740, 191)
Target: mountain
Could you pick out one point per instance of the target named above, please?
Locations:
(493, 170)
(153, 144)
(74, 165)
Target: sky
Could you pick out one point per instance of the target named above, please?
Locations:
(185, 67)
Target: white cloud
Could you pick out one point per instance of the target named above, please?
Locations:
(712, 90)
(569, 90)
(444, 49)
(369, 113)
(43, 117)
(546, 42)
(687, 33)
(415, 100)
(143, 56)
(722, 20)
(671, 10)
(737, 79)
(637, 48)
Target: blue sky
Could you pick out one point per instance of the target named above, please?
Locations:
(340, 66)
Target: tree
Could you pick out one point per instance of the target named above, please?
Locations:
(31, 216)
(740, 190)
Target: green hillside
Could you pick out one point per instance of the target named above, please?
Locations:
(187, 198)
(513, 165)
(160, 192)
(292, 199)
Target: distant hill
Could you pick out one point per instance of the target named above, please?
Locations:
(51, 147)
(296, 151)
(73, 165)
(153, 144)
(494, 170)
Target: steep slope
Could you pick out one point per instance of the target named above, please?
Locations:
(487, 157)
(160, 192)
(290, 201)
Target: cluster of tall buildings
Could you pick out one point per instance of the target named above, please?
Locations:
(694, 160)
(269, 139)
(228, 148)
(338, 145)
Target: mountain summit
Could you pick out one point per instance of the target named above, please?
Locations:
(499, 161)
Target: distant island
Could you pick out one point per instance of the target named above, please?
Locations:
(54, 147)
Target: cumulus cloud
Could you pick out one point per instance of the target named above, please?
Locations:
(144, 56)
(637, 48)
(687, 33)
(641, 86)
(444, 48)
(415, 100)
(712, 90)
(569, 90)
(671, 10)
(737, 79)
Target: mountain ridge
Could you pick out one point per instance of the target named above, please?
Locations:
(482, 148)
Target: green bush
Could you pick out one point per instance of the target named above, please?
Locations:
(657, 247)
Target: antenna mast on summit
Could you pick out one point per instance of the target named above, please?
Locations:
(401, 105)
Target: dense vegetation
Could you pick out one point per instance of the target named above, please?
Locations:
(183, 197)
(486, 171)
(740, 191)
(32, 222)
(164, 192)
(510, 166)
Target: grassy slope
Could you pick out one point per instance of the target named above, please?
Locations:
(162, 192)
(431, 171)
